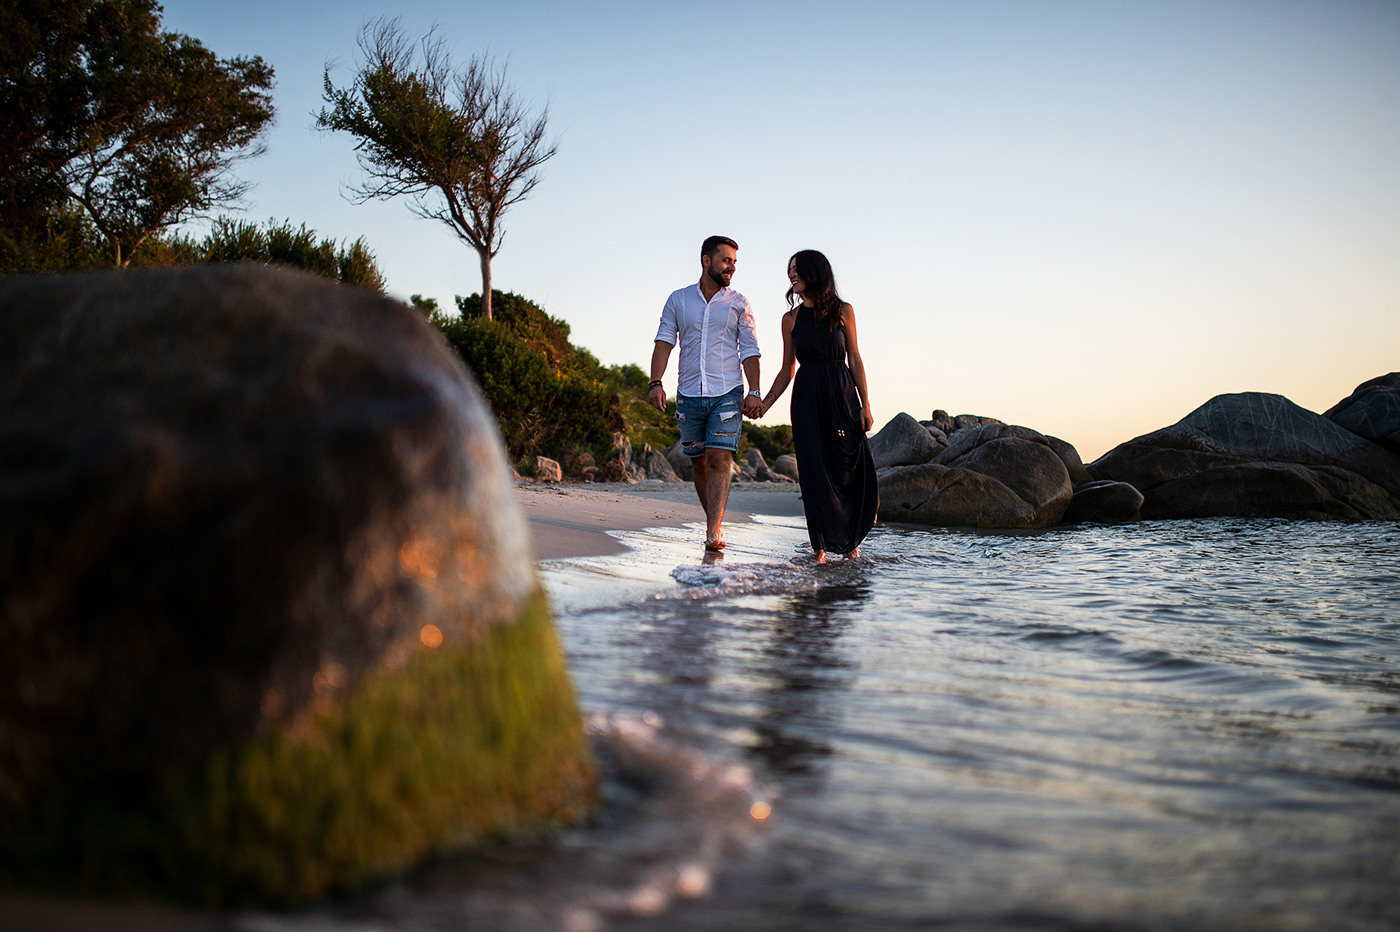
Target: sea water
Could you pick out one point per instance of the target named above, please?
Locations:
(1185, 725)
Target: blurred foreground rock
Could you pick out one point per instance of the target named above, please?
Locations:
(1257, 454)
(269, 622)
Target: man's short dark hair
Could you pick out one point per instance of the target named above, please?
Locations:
(712, 244)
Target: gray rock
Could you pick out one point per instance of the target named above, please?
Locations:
(1070, 457)
(971, 420)
(1104, 502)
(547, 469)
(942, 421)
(230, 498)
(753, 458)
(1372, 411)
(654, 464)
(680, 463)
(1256, 454)
(902, 442)
(786, 465)
(1000, 476)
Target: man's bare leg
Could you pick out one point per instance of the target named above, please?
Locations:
(702, 489)
(716, 494)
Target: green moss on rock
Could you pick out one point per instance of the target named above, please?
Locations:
(431, 751)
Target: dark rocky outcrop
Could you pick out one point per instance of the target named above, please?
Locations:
(1256, 454)
(269, 621)
(996, 475)
(653, 464)
(1068, 455)
(903, 442)
(1372, 411)
(1105, 502)
(680, 463)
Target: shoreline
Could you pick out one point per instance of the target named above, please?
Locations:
(572, 520)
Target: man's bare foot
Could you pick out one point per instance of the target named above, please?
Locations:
(851, 554)
(715, 545)
(820, 557)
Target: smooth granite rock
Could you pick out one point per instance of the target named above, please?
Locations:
(786, 466)
(270, 626)
(999, 476)
(1372, 411)
(680, 463)
(653, 464)
(1256, 454)
(1070, 457)
(902, 442)
(1105, 502)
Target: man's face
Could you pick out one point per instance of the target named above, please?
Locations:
(720, 266)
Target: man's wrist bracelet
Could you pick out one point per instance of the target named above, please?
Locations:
(655, 383)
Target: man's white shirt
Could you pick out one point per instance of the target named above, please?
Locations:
(714, 337)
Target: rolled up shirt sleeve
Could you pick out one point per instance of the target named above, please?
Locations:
(748, 338)
(669, 331)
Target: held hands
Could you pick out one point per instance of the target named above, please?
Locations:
(752, 407)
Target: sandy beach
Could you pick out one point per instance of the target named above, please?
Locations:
(572, 519)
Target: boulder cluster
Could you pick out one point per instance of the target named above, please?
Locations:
(1247, 454)
(626, 463)
(974, 471)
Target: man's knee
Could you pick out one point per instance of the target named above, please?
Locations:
(718, 460)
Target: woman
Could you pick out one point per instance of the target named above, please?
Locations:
(830, 409)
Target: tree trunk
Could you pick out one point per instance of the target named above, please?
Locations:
(486, 285)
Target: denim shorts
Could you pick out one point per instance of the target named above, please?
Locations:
(712, 422)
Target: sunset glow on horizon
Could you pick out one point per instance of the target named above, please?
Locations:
(1086, 218)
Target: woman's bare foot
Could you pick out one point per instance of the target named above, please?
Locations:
(820, 557)
(851, 554)
(715, 545)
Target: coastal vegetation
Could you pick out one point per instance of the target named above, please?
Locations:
(458, 143)
(108, 118)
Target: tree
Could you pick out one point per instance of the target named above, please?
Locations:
(457, 142)
(139, 127)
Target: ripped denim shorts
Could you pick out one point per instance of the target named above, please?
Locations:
(712, 421)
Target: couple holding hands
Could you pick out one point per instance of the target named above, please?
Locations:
(713, 326)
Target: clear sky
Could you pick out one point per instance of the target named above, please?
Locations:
(1084, 217)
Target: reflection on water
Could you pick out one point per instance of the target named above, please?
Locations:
(1174, 725)
(1165, 725)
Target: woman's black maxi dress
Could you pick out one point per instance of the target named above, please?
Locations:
(834, 468)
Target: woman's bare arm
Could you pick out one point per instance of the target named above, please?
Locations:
(848, 324)
(788, 366)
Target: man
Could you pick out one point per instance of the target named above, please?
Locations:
(713, 325)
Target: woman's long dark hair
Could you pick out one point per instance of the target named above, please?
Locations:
(819, 283)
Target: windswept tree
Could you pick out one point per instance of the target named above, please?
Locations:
(457, 142)
(102, 109)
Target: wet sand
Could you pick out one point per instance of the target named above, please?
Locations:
(572, 519)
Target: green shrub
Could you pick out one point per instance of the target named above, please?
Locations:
(540, 410)
(772, 442)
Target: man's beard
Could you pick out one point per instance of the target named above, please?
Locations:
(721, 278)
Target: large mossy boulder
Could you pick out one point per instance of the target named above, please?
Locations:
(270, 625)
(1372, 411)
(1255, 454)
(993, 476)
